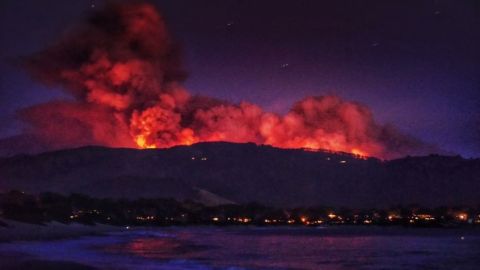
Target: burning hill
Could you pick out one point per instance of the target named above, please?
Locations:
(123, 71)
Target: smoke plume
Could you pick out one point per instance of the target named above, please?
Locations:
(123, 70)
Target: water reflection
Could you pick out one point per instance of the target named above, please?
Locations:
(289, 249)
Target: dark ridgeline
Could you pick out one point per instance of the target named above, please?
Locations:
(243, 173)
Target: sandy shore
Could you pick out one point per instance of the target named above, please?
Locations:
(24, 263)
(18, 231)
(11, 231)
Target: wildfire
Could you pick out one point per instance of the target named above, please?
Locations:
(142, 142)
(132, 96)
(359, 153)
(187, 137)
(309, 125)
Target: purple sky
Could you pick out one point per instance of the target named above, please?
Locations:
(415, 63)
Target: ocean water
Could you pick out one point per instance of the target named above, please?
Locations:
(234, 248)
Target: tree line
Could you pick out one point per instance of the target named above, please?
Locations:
(47, 207)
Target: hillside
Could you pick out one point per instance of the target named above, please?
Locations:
(247, 172)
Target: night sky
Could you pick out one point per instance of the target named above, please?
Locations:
(416, 64)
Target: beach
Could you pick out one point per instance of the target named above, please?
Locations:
(14, 231)
(19, 231)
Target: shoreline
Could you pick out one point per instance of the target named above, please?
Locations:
(25, 262)
(16, 231)
(34, 258)
(12, 231)
(20, 231)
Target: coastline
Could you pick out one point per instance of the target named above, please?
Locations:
(221, 247)
(19, 231)
(24, 262)
(14, 231)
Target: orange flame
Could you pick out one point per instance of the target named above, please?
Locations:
(128, 96)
